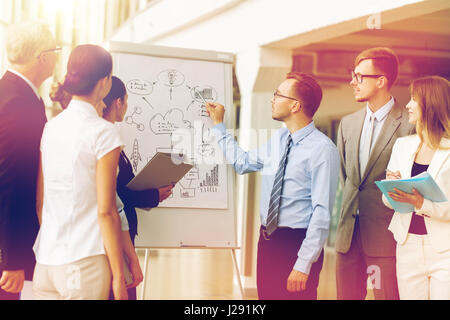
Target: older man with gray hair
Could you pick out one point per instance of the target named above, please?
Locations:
(31, 54)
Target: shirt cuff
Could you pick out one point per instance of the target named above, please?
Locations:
(427, 207)
(303, 266)
(220, 129)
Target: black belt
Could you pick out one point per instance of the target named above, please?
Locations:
(264, 233)
(266, 236)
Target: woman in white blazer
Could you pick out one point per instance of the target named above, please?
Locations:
(423, 236)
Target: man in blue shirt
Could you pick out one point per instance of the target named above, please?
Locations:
(300, 167)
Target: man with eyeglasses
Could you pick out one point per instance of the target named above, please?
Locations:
(365, 247)
(299, 167)
(31, 51)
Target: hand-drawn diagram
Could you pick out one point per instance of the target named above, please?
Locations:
(188, 184)
(171, 78)
(171, 121)
(148, 102)
(130, 119)
(173, 107)
(211, 181)
(140, 87)
(203, 94)
(135, 156)
(205, 148)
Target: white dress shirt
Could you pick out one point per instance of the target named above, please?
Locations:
(71, 144)
(380, 117)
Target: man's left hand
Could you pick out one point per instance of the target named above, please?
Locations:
(12, 281)
(297, 281)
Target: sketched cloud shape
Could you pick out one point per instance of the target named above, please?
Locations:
(170, 122)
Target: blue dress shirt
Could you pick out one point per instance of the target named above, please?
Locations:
(309, 186)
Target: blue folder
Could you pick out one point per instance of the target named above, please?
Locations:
(423, 183)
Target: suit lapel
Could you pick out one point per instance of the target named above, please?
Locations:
(355, 138)
(387, 131)
(21, 88)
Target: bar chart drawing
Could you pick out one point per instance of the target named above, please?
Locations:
(211, 181)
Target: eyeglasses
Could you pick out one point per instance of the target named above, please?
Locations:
(49, 50)
(360, 77)
(276, 94)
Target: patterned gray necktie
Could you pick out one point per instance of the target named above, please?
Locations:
(275, 197)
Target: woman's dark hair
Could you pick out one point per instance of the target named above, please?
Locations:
(87, 65)
(118, 91)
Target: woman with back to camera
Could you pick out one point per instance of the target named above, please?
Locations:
(78, 249)
(114, 110)
(116, 106)
(423, 246)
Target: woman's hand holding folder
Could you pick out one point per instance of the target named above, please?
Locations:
(415, 198)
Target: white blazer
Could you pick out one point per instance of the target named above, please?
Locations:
(437, 214)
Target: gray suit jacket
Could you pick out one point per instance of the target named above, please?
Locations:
(360, 191)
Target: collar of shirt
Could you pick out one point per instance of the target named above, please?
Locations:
(381, 113)
(84, 107)
(32, 86)
(302, 133)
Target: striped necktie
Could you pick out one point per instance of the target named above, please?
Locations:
(275, 197)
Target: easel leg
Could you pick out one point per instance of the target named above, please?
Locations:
(238, 274)
(145, 274)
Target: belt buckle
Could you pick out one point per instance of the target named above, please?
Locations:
(265, 235)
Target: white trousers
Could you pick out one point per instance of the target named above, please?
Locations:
(27, 291)
(422, 273)
(86, 279)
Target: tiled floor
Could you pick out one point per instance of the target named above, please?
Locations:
(189, 274)
(206, 274)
